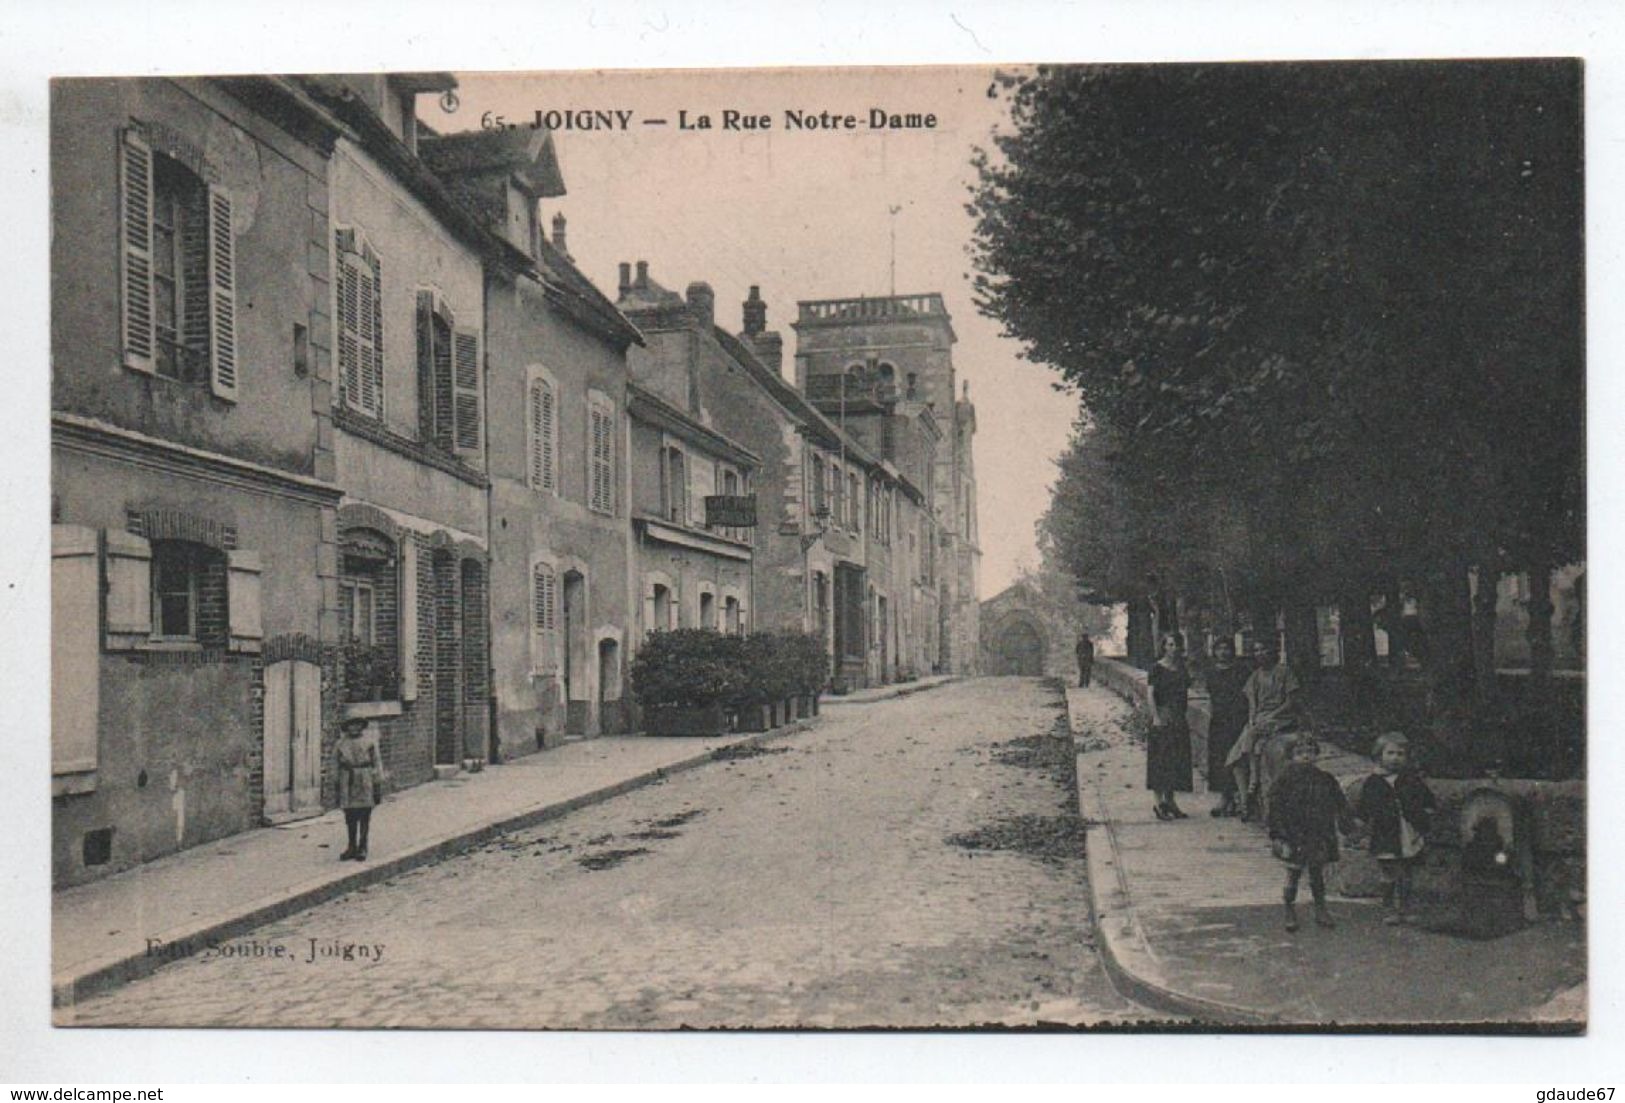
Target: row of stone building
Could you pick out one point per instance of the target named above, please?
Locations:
(339, 429)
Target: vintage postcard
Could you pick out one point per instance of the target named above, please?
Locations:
(1055, 547)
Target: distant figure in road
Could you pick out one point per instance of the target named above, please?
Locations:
(1306, 809)
(1396, 806)
(1086, 658)
(1227, 706)
(1168, 749)
(1274, 710)
(360, 782)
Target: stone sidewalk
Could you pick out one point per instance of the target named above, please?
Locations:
(1188, 919)
(100, 931)
(884, 693)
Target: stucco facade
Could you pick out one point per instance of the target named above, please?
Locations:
(411, 577)
(562, 584)
(192, 505)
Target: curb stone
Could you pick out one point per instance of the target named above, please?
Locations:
(1131, 963)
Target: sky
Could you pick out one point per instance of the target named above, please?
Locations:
(805, 214)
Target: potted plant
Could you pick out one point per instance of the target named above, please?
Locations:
(369, 672)
(807, 669)
(682, 679)
(755, 692)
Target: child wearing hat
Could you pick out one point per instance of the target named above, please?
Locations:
(1306, 809)
(360, 783)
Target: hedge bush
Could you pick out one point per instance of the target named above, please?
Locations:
(696, 667)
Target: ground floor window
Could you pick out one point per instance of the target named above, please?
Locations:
(368, 616)
(178, 570)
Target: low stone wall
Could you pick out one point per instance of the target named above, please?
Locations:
(1553, 813)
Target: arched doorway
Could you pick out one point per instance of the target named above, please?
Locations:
(1017, 648)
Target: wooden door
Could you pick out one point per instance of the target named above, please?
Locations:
(293, 740)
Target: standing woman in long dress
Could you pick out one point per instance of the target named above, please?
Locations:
(1168, 750)
(360, 765)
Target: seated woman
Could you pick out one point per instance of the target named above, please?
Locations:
(1274, 708)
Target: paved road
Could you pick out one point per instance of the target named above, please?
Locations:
(912, 862)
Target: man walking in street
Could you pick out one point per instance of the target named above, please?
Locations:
(1086, 658)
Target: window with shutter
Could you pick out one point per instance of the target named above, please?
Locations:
(601, 457)
(222, 297)
(466, 389)
(543, 432)
(136, 251)
(360, 325)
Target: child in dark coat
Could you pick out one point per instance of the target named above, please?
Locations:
(1396, 806)
(1306, 809)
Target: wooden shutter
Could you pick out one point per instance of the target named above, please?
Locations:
(349, 323)
(440, 344)
(601, 443)
(466, 390)
(243, 601)
(426, 403)
(222, 297)
(543, 422)
(135, 216)
(129, 589)
(544, 616)
(75, 652)
(365, 294)
(372, 364)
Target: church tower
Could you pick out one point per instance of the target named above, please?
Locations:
(883, 369)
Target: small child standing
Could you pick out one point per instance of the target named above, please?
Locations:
(1396, 806)
(1306, 808)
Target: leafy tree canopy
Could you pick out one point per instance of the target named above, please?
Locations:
(1319, 316)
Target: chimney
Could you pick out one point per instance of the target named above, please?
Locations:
(702, 303)
(626, 280)
(769, 349)
(642, 283)
(755, 313)
(559, 241)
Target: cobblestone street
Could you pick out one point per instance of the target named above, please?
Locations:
(914, 862)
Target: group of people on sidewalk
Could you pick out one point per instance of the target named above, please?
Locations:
(1261, 754)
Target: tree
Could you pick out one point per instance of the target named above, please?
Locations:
(1324, 320)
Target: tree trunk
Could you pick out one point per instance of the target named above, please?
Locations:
(1359, 641)
(1488, 719)
(1448, 618)
(1486, 586)
(1367, 696)
(1540, 630)
(1140, 629)
(1393, 613)
(1302, 637)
